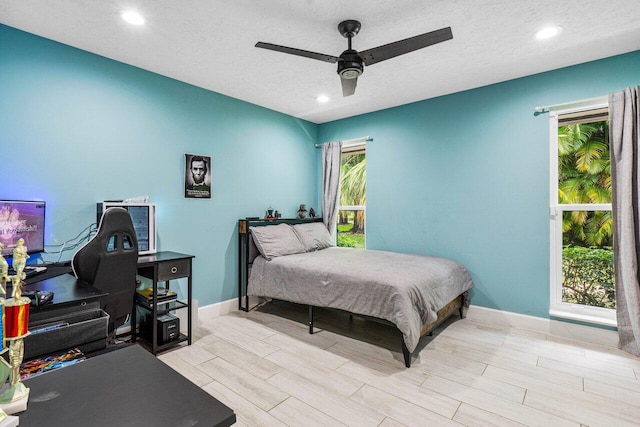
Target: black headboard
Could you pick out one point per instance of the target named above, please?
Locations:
(247, 250)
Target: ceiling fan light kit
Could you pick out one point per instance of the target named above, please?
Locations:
(351, 63)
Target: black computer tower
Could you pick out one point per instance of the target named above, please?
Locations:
(168, 328)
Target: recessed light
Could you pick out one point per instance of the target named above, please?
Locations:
(322, 98)
(132, 17)
(548, 32)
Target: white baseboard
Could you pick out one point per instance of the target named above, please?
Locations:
(211, 311)
(547, 326)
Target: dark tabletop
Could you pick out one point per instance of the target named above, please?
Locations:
(127, 387)
(66, 289)
(161, 257)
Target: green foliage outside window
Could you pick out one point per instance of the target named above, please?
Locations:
(353, 180)
(588, 277)
(346, 239)
(584, 172)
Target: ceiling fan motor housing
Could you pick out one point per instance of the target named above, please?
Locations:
(350, 65)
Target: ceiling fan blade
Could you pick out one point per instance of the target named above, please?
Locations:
(391, 50)
(299, 52)
(348, 86)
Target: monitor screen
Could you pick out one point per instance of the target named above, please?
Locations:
(22, 220)
(143, 218)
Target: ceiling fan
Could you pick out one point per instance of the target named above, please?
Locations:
(351, 63)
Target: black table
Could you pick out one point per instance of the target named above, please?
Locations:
(127, 387)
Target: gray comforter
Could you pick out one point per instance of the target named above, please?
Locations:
(404, 289)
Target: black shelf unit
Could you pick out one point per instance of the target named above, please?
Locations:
(164, 267)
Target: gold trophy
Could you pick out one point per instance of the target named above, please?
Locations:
(15, 319)
(4, 366)
(5, 370)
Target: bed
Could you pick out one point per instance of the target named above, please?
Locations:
(293, 260)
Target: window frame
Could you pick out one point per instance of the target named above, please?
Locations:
(346, 149)
(557, 307)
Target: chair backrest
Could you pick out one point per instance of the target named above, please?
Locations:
(108, 261)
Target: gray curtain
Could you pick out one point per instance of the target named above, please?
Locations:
(331, 153)
(625, 166)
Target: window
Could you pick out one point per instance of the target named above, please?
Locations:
(353, 197)
(582, 277)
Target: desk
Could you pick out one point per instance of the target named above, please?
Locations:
(127, 387)
(75, 304)
(71, 296)
(67, 290)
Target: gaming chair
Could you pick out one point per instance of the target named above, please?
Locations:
(108, 261)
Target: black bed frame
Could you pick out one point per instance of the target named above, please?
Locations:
(247, 252)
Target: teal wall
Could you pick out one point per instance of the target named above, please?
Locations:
(466, 176)
(76, 128)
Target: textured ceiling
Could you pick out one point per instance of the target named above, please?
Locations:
(210, 43)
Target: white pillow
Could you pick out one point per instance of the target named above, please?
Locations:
(276, 240)
(314, 236)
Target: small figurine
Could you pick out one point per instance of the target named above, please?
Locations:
(302, 211)
(312, 213)
(278, 214)
(20, 256)
(270, 213)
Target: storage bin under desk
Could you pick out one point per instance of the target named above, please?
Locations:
(86, 330)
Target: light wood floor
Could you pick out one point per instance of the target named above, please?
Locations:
(266, 366)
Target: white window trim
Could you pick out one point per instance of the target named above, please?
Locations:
(349, 144)
(558, 308)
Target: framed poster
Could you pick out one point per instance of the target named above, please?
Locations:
(197, 177)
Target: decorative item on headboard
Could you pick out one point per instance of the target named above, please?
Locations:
(302, 211)
(270, 213)
(312, 213)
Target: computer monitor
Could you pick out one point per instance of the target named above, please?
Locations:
(143, 216)
(22, 220)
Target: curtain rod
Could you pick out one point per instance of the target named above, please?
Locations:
(569, 105)
(354, 141)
